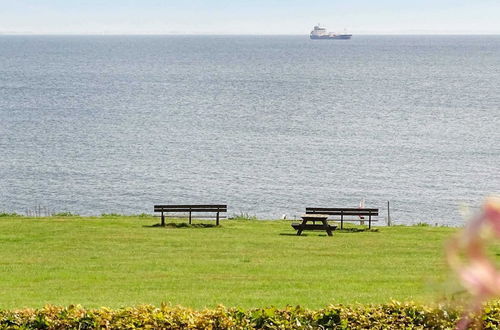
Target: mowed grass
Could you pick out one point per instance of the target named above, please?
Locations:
(122, 261)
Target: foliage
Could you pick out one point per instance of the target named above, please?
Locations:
(10, 215)
(393, 315)
(66, 214)
(243, 216)
(144, 215)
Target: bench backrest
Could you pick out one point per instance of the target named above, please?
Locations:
(190, 208)
(341, 211)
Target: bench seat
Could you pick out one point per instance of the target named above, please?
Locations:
(297, 226)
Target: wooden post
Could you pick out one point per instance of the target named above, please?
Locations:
(189, 217)
(217, 221)
(388, 215)
(162, 219)
(370, 220)
(341, 219)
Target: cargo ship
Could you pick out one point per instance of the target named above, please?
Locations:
(322, 33)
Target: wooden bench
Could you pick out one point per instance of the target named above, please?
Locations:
(190, 209)
(368, 214)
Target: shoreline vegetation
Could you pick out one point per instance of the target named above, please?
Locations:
(393, 315)
(243, 216)
(118, 261)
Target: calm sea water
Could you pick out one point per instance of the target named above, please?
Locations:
(268, 125)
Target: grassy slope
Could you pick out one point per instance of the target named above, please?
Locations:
(120, 261)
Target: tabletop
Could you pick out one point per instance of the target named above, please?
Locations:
(314, 216)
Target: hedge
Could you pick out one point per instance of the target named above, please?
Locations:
(394, 315)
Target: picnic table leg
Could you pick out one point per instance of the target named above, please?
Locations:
(328, 230)
(301, 228)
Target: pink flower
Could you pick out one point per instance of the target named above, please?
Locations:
(492, 214)
(476, 271)
(481, 279)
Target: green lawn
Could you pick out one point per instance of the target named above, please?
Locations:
(123, 261)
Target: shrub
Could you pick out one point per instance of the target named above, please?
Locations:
(6, 214)
(421, 224)
(65, 214)
(394, 315)
(145, 215)
(104, 215)
(243, 216)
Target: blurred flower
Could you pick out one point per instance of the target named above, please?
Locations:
(466, 254)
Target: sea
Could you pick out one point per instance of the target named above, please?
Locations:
(268, 125)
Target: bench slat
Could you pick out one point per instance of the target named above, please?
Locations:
(193, 216)
(165, 209)
(183, 206)
(342, 211)
(327, 209)
(361, 220)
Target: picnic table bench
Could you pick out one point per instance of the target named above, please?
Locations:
(300, 227)
(346, 212)
(189, 210)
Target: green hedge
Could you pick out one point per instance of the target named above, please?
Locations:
(389, 316)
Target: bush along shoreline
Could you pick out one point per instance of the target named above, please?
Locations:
(394, 315)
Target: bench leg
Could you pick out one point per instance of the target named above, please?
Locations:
(370, 222)
(162, 219)
(189, 217)
(217, 220)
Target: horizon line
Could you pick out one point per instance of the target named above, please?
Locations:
(239, 34)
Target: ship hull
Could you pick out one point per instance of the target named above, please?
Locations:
(337, 37)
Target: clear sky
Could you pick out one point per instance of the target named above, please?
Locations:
(249, 16)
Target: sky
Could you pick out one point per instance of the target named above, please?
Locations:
(248, 16)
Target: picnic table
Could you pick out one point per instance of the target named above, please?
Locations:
(304, 225)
